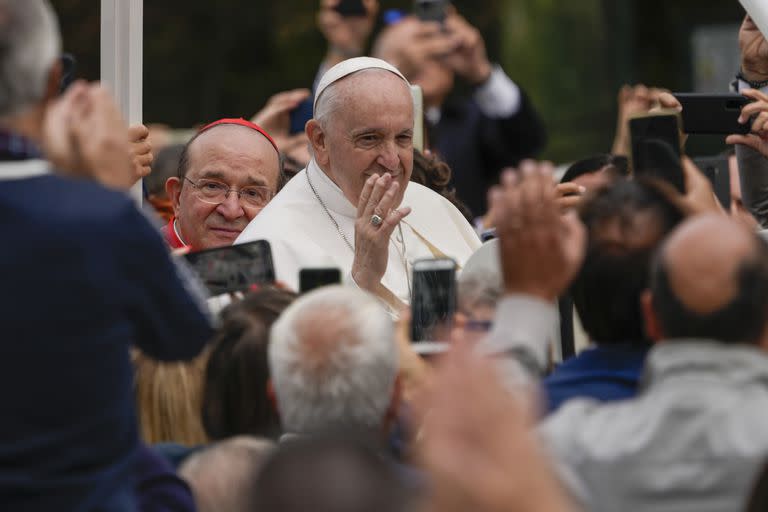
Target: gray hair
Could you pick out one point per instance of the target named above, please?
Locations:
(222, 476)
(333, 361)
(30, 44)
(480, 289)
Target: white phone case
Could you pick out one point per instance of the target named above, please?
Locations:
(758, 10)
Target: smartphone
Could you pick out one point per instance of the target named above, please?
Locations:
(713, 113)
(351, 8)
(311, 278)
(655, 145)
(234, 268)
(717, 170)
(433, 302)
(431, 10)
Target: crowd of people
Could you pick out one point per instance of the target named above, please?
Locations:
(126, 386)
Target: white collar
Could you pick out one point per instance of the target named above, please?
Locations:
(330, 193)
(20, 170)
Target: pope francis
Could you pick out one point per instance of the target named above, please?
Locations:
(353, 207)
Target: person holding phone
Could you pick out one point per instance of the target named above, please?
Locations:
(477, 135)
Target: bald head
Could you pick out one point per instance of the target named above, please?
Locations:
(714, 247)
(711, 281)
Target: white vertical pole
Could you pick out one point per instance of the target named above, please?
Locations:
(122, 48)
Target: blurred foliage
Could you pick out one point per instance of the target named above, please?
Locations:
(205, 59)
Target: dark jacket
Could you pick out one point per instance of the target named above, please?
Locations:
(477, 147)
(604, 373)
(84, 277)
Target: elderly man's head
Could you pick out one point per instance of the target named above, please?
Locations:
(710, 280)
(30, 67)
(363, 125)
(227, 174)
(334, 363)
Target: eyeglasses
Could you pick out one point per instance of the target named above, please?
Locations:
(215, 192)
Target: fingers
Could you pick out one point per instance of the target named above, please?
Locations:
(388, 200)
(138, 133)
(751, 141)
(392, 220)
(667, 100)
(568, 189)
(365, 195)
(379, 189)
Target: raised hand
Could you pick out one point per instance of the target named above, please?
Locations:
(377, 218)
(541, 248)
(346, 36)
(141, 150)
(85, 135)
(468, 58)
(758, 139)
(479, 445)
(754, 52)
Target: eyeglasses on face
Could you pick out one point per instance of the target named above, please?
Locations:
(216, 192)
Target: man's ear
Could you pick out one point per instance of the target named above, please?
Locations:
(390, 417)
(173, 191)
(317, 138)
(272, 396)
(53, 86)
(652, 325)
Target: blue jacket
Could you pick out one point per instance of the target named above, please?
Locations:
(84, 277)
(605, 373)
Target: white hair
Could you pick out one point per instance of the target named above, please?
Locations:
(222, 476)
(333, 361)
(30, 44)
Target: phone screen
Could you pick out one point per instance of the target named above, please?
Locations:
(351, 8)
(234, 268)
(431, 10)
(434, 299)
(656, 148)
(311, 278)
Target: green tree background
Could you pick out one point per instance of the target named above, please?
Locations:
(204, 60)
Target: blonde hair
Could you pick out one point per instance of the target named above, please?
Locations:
(169, 399)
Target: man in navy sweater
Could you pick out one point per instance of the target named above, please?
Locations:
(84, 275)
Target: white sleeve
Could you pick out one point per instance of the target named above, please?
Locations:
(523, 327)
(499, 96)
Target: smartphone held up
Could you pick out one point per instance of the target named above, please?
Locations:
(656, 147)
(433, 303)
(234, 268)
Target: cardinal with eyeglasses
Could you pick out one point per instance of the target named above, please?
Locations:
(353, 207)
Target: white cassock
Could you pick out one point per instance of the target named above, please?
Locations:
(302, 235)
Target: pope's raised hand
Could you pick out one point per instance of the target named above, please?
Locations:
(377, 218)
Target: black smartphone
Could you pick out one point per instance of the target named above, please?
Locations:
(717, 170)
(716, 114)
(431, 10)
(655, 146)
(234, 268)
(351, 8)
(68, 71)
(433, 302)
(311, 278)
